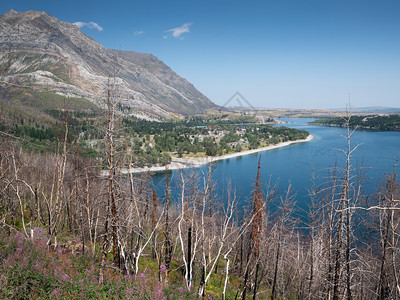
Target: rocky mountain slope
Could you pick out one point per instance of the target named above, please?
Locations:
(40, 54)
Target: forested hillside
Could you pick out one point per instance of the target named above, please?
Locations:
(373, 122)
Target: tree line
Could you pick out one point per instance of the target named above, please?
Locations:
(149, 142)
(373, 122)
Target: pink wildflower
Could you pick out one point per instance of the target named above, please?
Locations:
(129, 292)
(64, 277)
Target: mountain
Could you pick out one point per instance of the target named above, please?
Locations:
(46, 63)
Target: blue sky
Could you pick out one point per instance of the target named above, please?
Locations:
(281, 53)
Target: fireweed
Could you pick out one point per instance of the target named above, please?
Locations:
(29, 269)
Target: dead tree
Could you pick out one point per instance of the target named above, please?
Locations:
(167, 241)
(350, 193)
(154, 222)
(257, 222)
(111, 218)
(287, 208)
(388, 284)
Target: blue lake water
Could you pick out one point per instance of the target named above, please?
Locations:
(377, 154)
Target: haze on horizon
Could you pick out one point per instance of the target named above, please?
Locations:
(293, 54)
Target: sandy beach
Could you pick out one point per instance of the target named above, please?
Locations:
(194, 162)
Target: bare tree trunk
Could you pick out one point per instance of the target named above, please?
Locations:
(111, 218)
(257, 223)
(274, 282)
(189, 257)
(246, 275)
(104, 249)
(255, 281)
(167, 243)
(154, 222)
(382, 276)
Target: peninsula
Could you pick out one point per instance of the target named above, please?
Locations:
(194, 162)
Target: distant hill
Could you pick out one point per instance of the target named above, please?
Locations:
(374, 110)
(382, 122)
(47, 64)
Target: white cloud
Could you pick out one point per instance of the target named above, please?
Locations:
(178, 31)
(91, 25)
(138, 32)
(79, 24)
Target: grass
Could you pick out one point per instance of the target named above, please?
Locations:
(47, 100)
(45, 62)
(20, 103)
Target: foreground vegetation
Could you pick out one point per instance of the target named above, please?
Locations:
(32, 270)
(68, 232)
(68, 229)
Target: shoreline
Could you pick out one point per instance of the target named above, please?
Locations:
(195, 162)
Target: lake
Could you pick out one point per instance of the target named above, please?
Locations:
(376, 154)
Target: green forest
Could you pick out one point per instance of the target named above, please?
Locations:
(150, 142)
(372, 122)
